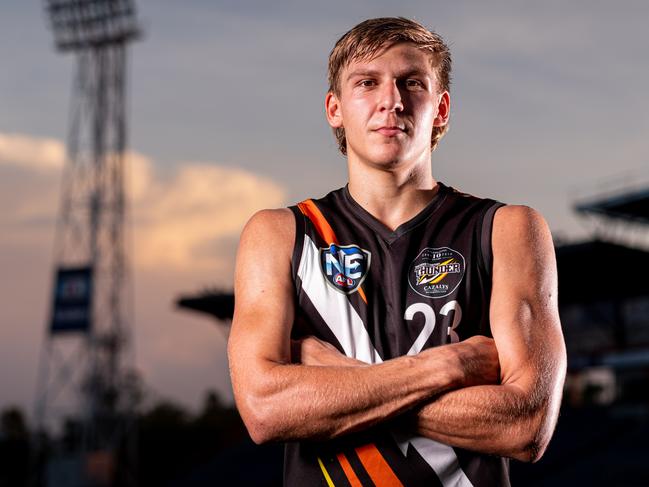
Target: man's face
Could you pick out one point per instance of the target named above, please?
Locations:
(388, 106)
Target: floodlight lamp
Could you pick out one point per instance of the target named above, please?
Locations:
(81, 24)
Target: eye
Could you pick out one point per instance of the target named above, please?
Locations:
(414, 84)
(366, 83)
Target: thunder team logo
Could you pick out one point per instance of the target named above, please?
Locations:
(436, 272)
(345, 266)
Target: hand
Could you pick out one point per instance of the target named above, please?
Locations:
(313, 351)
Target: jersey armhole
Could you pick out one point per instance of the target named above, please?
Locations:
(485, 237)
(300, 229)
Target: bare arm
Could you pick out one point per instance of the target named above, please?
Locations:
(280, 400)
(517, 417)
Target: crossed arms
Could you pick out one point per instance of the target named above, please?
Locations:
(498, 396)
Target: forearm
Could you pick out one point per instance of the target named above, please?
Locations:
(295, 401)
(497, 419)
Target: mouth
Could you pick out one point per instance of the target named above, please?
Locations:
(390, 130)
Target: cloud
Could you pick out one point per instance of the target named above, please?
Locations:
(186, 220)
(201, 203)
(139, 176)
(31, 152)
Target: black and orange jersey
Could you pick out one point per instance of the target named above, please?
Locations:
(377, 294)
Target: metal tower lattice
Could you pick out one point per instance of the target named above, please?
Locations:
(86, 375)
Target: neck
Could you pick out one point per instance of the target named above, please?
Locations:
(392, 195)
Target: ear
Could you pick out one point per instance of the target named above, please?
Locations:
(443, 110)
(332, 110)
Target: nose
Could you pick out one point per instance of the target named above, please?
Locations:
(391, 99)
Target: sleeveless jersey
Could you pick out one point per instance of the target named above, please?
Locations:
(377, 294)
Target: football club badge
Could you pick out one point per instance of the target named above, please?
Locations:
(436, 272)
(345, 267)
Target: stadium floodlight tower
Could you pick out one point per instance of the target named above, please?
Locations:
(86, 374)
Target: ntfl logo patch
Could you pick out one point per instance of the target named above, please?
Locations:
(345, 266)
(436, 272)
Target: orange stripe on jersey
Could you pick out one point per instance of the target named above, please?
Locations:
(349, 471)
(377, 467)
(313, 213)
(362, 293)
(309, 208)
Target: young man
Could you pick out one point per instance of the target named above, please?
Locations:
(396, 331)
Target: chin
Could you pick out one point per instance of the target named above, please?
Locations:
(388, 159)
(385, 156)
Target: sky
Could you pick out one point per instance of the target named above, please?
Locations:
(548, 105)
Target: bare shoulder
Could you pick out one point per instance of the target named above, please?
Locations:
(271, 222)
(519, 229)
(518, 218)
(275, 227)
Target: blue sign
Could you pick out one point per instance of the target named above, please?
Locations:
(72, 309)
